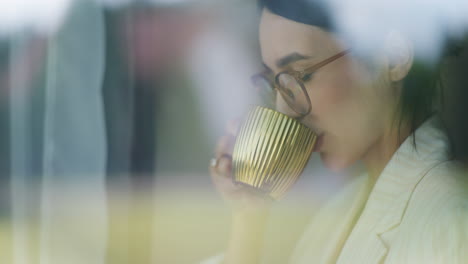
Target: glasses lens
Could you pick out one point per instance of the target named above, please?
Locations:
(292, 92)
(264, 90)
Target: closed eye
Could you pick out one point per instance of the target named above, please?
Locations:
(307, 77)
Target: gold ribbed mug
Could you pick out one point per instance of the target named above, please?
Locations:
(271, 151)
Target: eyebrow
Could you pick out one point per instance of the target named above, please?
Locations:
(288, 59)
(293, 57)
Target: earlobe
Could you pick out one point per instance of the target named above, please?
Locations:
(400, 55)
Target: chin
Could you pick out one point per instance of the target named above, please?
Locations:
(334, 163)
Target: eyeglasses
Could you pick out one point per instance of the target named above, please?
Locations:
(290, 84)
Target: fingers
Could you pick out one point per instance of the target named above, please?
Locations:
(225, 164)
(238, 195)
(223, 167)
(221, 176)
(221, 170)
(226, 143)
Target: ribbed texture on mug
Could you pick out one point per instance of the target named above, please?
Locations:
(271, 151)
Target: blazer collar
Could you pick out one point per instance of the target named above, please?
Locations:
(406, 168)
(389, 197)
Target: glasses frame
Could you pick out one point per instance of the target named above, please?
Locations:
(298, 75)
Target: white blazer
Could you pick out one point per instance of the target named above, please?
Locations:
(416, 212)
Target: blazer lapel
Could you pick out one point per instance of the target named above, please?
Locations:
(371, 237)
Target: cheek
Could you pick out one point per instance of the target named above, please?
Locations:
(329, 96)
(341, 94)
(342, 112)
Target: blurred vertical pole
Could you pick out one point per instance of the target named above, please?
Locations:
(118, 99)
(73, 204)
(21, 154)
(5, 162)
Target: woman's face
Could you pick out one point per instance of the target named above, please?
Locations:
(352, 108)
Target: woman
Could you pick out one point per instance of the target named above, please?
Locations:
(412, 205)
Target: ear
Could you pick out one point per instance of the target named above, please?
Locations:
(400, 55)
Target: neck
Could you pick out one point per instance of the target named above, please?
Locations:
(378, 156)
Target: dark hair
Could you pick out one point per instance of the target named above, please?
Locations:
(418, 99)
(303, 11)
(454, 70)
